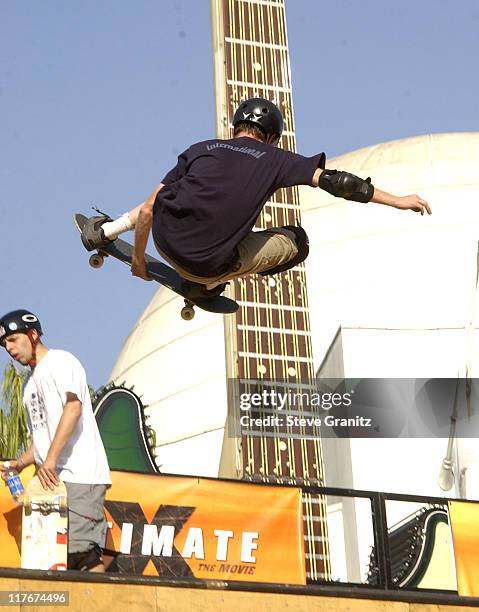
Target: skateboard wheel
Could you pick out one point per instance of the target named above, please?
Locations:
(187, 313)
(96, 260)
(27, 505)
(62, 505)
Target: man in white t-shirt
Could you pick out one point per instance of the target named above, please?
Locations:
(66, 442)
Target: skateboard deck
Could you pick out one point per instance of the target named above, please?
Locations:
(44, 527)
(163, 274)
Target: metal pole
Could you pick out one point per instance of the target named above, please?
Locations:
(381, 540)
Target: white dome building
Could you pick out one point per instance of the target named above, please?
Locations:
(391, 294)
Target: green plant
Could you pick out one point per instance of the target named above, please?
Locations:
(14, 434)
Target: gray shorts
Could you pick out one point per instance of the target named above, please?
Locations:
(87, 524)
(258, 252)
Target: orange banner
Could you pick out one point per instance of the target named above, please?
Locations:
(190, 527)
(464, 518)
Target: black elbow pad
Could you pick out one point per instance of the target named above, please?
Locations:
(345, 185)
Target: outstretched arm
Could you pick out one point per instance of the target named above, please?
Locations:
(351, 187)
(409, 202)
(144, 220)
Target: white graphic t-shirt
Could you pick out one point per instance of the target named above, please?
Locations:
(83, 458)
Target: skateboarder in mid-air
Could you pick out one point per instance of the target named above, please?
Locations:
(203, 212)
(66, 443)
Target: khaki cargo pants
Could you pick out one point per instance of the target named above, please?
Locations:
(258, 252)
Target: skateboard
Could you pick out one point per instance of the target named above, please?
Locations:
(163, 274)
(44, 527)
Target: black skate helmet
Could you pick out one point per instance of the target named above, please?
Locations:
(261, 112)
(21, 321)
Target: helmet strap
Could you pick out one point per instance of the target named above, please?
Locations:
(34, 342)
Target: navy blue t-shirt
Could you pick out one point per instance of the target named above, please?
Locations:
(214, 194)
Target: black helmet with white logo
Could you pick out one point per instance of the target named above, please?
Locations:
(261, 112)
(18, 321)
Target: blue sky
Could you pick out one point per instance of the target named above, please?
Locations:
(98, 97)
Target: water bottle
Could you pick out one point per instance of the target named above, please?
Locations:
(13, 481)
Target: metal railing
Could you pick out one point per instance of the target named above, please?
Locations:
(381, 554)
